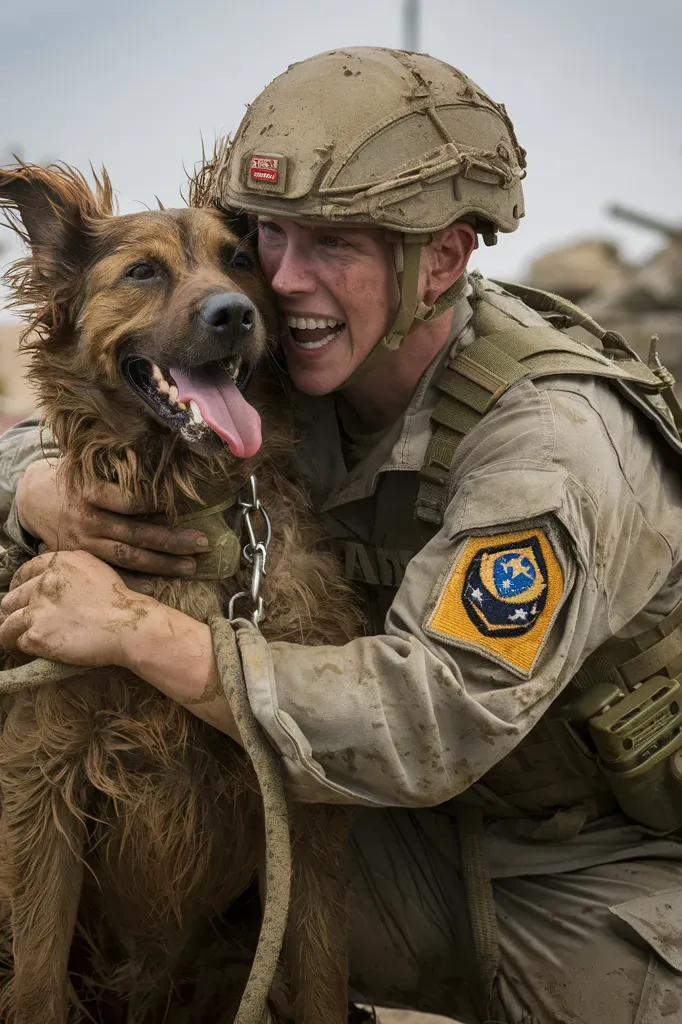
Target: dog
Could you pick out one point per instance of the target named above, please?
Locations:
(131, 831)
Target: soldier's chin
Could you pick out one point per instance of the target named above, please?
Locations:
(317, 379)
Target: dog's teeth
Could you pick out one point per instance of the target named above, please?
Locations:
(172, 394)
(156, 372)
(234, 366)
(181, 405)
(163, 386)
(196, 412)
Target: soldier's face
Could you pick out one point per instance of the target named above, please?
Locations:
(338, 291)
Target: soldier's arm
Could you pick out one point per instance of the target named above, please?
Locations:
(493, 618)
(417, 715)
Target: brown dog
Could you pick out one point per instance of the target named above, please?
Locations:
(126, 821)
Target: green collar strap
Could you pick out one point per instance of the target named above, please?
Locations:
(222, 559)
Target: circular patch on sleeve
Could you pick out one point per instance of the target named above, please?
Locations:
(501, 596)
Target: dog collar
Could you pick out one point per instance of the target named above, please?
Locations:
(222, 560)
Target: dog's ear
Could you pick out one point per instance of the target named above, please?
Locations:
(53, 210)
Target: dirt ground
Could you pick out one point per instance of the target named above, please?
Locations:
(403, 1017)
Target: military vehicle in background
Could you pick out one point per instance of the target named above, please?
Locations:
(576, 271)
(638, 301)
(649, 300)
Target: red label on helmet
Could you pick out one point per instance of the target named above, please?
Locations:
(264, 168)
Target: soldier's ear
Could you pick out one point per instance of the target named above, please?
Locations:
(53, 209)
(446, 258)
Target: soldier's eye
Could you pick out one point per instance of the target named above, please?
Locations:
(331, 241)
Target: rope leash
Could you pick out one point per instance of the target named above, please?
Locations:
(253, 1008)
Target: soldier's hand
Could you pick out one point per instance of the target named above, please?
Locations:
(103, 523)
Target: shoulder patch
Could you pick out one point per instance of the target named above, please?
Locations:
(500, 597)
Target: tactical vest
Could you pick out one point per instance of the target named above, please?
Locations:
(615, 734)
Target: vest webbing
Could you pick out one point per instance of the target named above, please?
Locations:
(505, 351)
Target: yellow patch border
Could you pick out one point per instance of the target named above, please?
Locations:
(450, 622)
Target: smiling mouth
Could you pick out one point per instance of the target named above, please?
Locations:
(311, 333)
(203, 401)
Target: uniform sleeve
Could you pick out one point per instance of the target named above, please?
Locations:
(19, 447)
(417, 715)
(493, 618)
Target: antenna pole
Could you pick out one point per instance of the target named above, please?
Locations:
(411, 25)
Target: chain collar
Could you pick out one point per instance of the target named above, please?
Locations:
(254, 551)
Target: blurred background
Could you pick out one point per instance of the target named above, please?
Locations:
(594, 88)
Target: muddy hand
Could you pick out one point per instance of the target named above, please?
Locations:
(70, 607)
(101, 522)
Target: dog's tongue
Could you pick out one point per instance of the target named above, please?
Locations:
(225, 411)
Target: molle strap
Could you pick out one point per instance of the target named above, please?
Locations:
(503, 352)
(657, 651)
(470, 385)
(222, 559)
(548, 303)
(480, 897)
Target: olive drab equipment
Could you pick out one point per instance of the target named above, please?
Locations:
(618, 731)
(378, 138)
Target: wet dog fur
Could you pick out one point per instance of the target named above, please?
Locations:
(129, 827)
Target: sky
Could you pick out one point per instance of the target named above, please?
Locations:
(594, 88)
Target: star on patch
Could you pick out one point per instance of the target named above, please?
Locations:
(512, 586)
(501, 597)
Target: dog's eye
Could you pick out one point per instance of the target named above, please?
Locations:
(240, 261)
(141, 271)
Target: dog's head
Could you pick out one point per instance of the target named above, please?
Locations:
(160, 315)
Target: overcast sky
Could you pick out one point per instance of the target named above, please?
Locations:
(594, 88)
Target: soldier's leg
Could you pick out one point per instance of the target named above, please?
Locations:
(567, 957)
(410, 942)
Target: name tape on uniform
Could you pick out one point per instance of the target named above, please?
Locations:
(500, 597)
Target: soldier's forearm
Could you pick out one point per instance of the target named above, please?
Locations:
(175, 654)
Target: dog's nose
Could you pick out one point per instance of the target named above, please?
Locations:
(229, 314)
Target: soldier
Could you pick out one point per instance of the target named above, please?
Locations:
(508, 502)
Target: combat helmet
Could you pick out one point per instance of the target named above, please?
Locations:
(373, 137)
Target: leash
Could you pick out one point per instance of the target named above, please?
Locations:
(253, 1007)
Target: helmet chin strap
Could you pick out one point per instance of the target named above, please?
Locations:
(412, 313)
